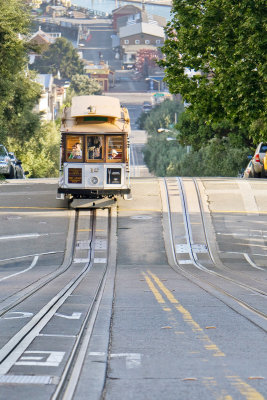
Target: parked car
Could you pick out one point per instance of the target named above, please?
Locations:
(257, 169)
(18, 170)
(247, 172)
(6, 167)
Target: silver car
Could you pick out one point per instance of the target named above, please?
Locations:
(17, 167)
(257, 169)
(6, 167)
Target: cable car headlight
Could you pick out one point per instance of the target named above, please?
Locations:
(94, 180)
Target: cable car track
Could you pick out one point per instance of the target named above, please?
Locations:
(18, 343)
(13, 300)
(199, 276)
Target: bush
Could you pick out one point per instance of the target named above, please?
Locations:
(217, 158)
(40, 154)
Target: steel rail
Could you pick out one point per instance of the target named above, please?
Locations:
(33, 287)
(205, 233)
(244, 285)
(71, 373)
(12, 350)
(204, 284)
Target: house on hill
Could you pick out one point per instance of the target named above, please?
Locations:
(123, 13)
(100, 72)
(139, 36)
(47, 100)
(42, 40)
(141, 16)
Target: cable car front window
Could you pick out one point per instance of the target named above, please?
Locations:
(115, 148)
(74, 148)
(94, 147)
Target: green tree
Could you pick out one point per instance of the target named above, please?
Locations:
(195, 132)
(217, 158)
(82, 85)
(18, 93)
(19, 121)
(40, 153)
(61, 57)
(221, 45)
(163, 115)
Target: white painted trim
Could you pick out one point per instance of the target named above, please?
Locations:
(34, 262)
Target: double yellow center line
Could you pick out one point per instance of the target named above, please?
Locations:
(159, 290)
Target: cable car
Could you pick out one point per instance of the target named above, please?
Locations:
(94, 156)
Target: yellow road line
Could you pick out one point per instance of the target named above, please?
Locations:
(208, 344)
(154, 290)
(212, 385)
(246, 390)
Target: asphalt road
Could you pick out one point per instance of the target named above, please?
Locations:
(159, 333)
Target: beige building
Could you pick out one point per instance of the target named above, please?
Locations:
(138, 36)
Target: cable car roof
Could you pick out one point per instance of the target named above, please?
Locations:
(99, 128)
(95, 106)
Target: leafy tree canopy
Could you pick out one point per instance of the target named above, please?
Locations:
(39, 153)
(195, 132)
(18, 92)
(82, 85)
(61, 57)
(14, 22)
(163, 115)
(215, 57)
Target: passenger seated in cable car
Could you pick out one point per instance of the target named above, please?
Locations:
(76, 152)
(94, 148)
(114, 155)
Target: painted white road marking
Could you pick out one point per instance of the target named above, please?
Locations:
(56, 335)
(28, 379)
(53, 360)
(101, 244)
(34, 262)
(133, 360)
(246, 235)
(31, 255)
(83, 244)
(23, 235)
(18, 315)
(251, 262)
(185, 261)
(100, 260)
(74, 315)
(81, 260)
(185, 248)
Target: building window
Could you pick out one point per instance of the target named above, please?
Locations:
(147, 41)
(137, 41)
(158, 41)
(126, 41)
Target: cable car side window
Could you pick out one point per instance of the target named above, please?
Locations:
(74, 148)
(94, 148)
(115, 148)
